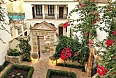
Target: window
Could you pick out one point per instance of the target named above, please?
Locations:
(50, 10)
(38, 9)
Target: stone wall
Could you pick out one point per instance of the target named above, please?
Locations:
(49, 34)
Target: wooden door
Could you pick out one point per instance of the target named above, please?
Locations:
(60, 31)
(61, 9)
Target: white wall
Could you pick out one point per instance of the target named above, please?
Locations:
(6, 37)
(28, 11)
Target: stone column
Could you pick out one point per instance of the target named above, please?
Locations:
(43, 12)
(35, 45)
(56, 12)
(52, 47)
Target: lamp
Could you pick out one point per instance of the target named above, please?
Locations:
(52, 59)
(34, 57)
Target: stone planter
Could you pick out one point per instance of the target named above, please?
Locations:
(14, 59)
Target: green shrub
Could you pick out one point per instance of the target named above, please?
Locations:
(60, 72)
(72, 66)
(13, 52)
(81, 48)
(23, 67)
(4, 65)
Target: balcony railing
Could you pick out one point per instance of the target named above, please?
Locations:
(39, 17)
(47, 16)
(64, 16)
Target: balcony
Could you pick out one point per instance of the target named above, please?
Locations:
(49, 11)
(39, 16)
(61, 16)
(47, 16)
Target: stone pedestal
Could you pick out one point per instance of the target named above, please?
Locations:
(14, 59)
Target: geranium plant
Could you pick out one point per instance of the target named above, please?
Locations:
(66, 53)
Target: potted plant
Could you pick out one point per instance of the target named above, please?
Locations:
(14, 52)
(14, 56)
(25, 48)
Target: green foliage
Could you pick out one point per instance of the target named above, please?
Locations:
(88, 17)
(25, 48)
(71, 66)
(30, 70)
(4, 65)
(14, 52)
(60, 72)
(80, 47)
(64, 42)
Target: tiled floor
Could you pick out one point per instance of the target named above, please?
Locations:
(41, 67)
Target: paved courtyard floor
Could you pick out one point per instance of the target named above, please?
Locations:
(41, 67)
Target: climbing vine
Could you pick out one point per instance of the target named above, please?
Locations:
(2, 19)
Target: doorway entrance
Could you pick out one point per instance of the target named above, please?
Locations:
(60, 31)
(61, 9)
(42, 44)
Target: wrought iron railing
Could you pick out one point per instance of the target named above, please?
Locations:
(48, 16)
(63, 16)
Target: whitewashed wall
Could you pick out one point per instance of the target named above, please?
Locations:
(6, 37)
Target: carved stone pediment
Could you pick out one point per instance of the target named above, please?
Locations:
(43, 26)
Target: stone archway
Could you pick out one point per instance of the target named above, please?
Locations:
(43, 30)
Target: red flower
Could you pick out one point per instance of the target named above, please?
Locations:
(66, 24)
(112, 73)
(82, 5)
(66, 53)
(75, 53)
(101, 70)
(86, 34)
(94, 21)
(109, 42)
(97, 14)
(15, 0)
(91, 42)
(114, 32)
(68, 49)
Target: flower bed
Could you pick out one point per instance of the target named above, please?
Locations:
(72, 66)
(60, 74)
(18, 71)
